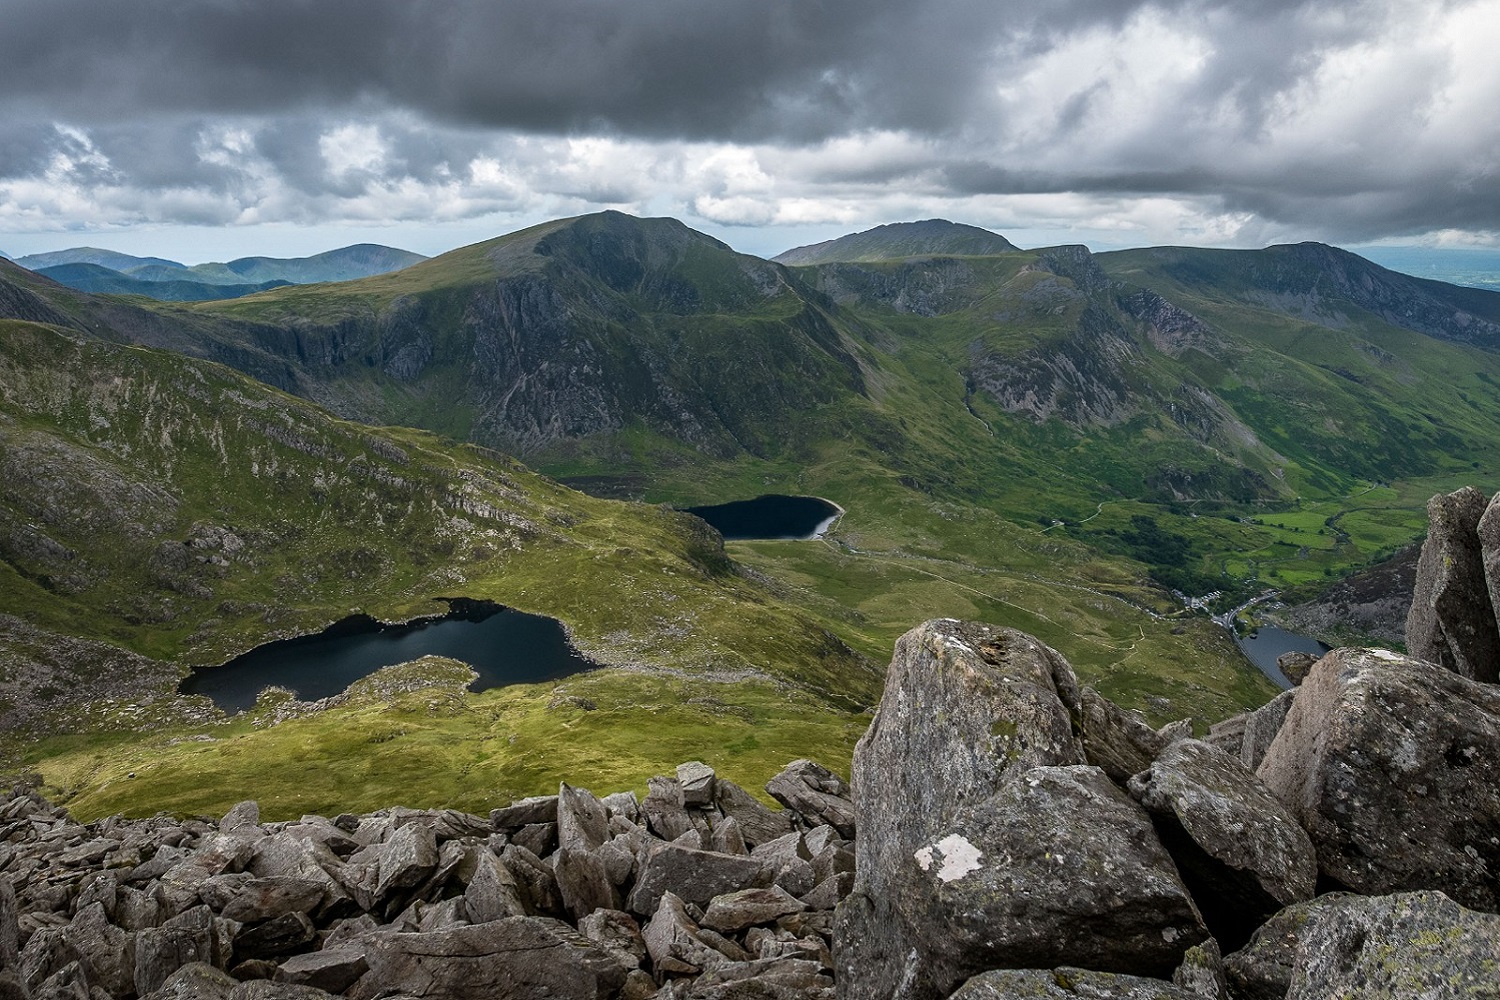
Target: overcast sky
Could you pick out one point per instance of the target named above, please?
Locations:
(208, 129)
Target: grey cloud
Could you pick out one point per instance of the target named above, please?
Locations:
(447, 81)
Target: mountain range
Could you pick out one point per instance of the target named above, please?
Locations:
(1048, 439)
(89, 269)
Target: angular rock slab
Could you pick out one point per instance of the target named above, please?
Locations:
(1067, 984)
(1238, 848)
(1452, 619)
(1114, 739)
(1392, 766)
(819, 795)
(1058, 868)
(1419, 944)
(695, 876)
(518, 958)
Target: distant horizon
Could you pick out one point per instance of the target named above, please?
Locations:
(305, 242)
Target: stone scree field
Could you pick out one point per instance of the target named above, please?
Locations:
(1018, 835)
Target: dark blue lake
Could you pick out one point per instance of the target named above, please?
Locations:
(1266, 643)
(503, 646)
(770, 517)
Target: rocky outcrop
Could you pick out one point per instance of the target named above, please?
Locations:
(1021, 837)
(566, 896)
(985, 836)
(1392, 765)
(1452, 620)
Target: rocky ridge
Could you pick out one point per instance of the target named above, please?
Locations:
(1018, 835)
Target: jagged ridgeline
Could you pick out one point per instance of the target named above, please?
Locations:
(157, 511)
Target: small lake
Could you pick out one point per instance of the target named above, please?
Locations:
(1266, 643)
(502, 645)
(770, 517)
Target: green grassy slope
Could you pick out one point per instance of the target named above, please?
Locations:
(181, 512)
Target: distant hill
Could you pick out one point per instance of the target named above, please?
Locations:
(933, 237)
(103, 271)
(103, 280)
(363, 260)
(91, 255)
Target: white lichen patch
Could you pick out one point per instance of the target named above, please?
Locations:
(1385, 654)
(958, 857)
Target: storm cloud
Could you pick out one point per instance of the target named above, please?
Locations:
(1178, 120)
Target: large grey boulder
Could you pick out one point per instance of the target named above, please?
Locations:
(264, 898)
(195, 981)
(1413, 944)
(1392, 766)
(517, 958)
(10, 930)
(1489, 551)
(1057, 867)
(106, 953)
(964, 706)
(1067, 984)
(492, 892)
(1419, 944)
(1452, 618)
(410, 856)
(332, 969)
(1237, 847)
(524, 812)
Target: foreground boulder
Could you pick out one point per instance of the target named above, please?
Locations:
(1065, 984)
(1392, 765)
(1419, 944)
(985, 839)
(1452, 619)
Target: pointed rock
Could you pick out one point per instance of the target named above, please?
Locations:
(582, 820)
(410, 856)
(492, 892)
(757, 823)
(965, 706)
(1114, 740)
(1261, 727)
(1452, 619)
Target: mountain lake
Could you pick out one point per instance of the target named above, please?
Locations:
(1266, 643)
(503, 645)
(770, 518)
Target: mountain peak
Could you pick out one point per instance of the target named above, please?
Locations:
(930, 237)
